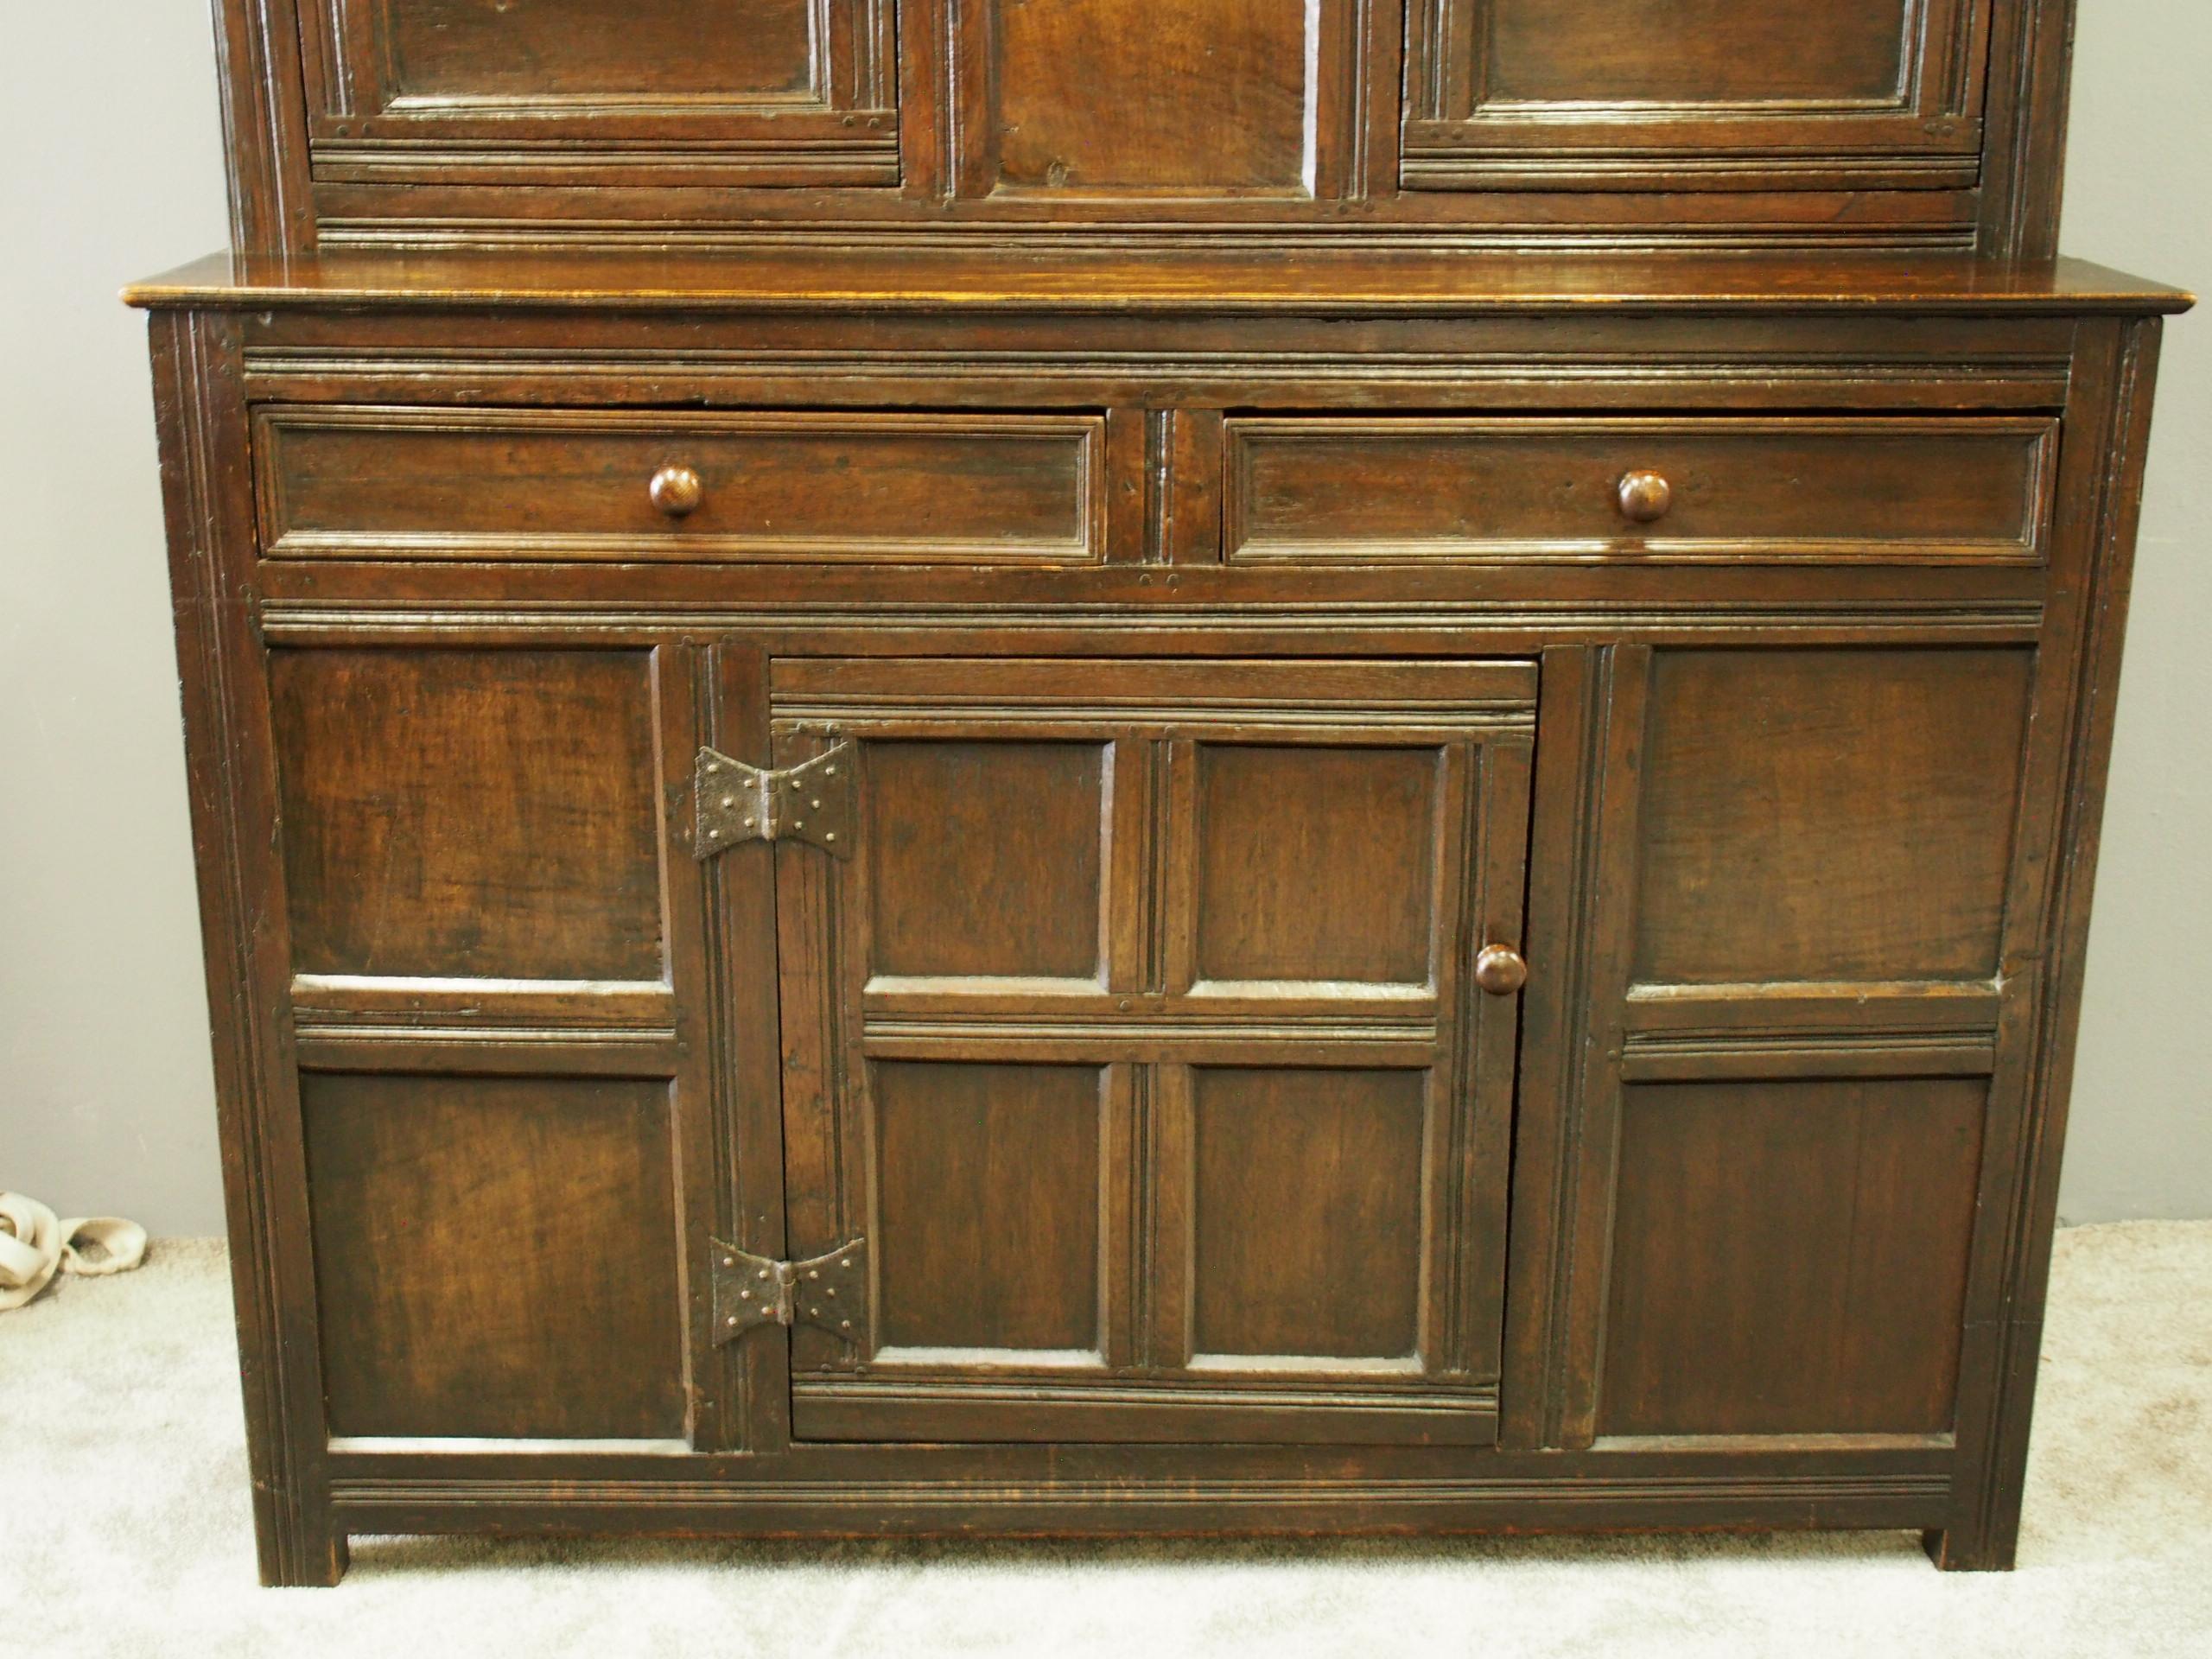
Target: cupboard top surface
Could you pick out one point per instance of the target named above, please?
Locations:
(946, 281)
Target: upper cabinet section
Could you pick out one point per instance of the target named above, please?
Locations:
(1568, 125)
(1695, 94)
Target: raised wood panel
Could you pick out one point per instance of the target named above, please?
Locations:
(1791, 1258)
(1677, 52)
(1711, 94)
(988, 1182)
(895, 488)
(1206, 97)
(988, 859)
(496, 1258)
(1316, 863)
(568, 92)
(1828, 815)
(470, 814)
(1929, 490)
(1309, 1239)
(464, 49)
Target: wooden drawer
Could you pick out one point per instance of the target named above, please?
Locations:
(359, 483)
(1895, 491)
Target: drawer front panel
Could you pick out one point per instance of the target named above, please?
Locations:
(1881, 491)
(872, 488)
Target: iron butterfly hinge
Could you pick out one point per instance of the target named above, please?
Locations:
(811, 802)
(828, 1290)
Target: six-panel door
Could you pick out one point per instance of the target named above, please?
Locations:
(1135, 1036)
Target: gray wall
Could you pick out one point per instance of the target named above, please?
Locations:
(110, 163)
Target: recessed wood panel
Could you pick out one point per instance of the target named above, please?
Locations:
(1791, 1257)
(1869, 490)
(899, 488)
(495, 1257)
(486, 813)
(1316, 863)
(1695, 95)
(986, 858)
(567, 93)
(566, 48)
(1826, 815)
(987, 1181)
(1142, 96)
(1696, 51)
(1306, 1212)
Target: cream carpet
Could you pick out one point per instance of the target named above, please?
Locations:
(124, 1531)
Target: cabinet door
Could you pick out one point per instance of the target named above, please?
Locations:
(495, 1007)
(596, 92)
(1132, 1053)
(1694, 94)
(1757, 1116)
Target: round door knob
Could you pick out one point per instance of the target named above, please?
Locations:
(1644, 497)
(1500, 969)
(676, 491)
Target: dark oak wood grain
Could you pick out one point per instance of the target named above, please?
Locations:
(896, 488)
(1829, 1224)
(1470, 647)
(480, 1246)
(469, 814)
(1575, 123)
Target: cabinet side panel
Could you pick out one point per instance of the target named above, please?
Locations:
(201, 424)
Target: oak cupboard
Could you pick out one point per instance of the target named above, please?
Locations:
(1091, 767)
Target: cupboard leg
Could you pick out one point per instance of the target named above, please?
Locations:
(1956, 1549)
(314, 1560)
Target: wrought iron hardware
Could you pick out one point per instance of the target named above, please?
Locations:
(811, 802)
(830, 1291)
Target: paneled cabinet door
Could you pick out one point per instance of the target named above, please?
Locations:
(1137, 1083)
(495, 1002)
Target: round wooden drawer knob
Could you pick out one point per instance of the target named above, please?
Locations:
(676, 491)
(1500, 969)
(1644, 497)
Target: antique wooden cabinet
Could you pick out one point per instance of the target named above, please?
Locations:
(1100, 765)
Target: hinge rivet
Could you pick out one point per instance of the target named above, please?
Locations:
(812, 1273)
(831, 835)
(713, 767)
(816, 805)
(744, 1295)
(748, 823)
(729, 1261)
(731, 1321)
(828, 771)
(832, 1291)
(730, 800)
(763, 1274)
(798, 823)
(844, 1324)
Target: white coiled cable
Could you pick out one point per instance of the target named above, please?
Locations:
(34, 1246)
